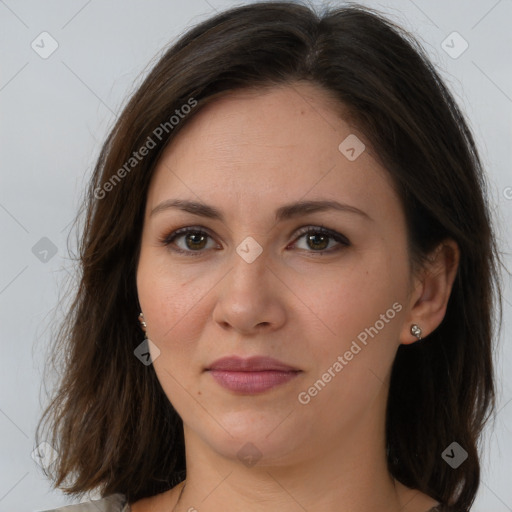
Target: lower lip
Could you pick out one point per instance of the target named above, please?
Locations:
(252, 382)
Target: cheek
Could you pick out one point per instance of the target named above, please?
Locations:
(352, 300)
(167, 296)
(363, 310)
(171, 309)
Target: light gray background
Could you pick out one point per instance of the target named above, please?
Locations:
(55, 113)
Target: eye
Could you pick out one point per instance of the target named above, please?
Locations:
(318, 238)
(195, 240)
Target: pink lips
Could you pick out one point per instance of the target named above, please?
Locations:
(253, 375)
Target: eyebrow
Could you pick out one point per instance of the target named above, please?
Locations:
(288, 211)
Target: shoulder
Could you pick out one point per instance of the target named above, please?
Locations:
(111, 503)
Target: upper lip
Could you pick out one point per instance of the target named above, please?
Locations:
(250, 364)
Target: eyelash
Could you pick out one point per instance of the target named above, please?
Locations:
(342, 240)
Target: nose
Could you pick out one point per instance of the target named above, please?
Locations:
(251, 296)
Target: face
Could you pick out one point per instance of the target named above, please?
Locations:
(322, 290)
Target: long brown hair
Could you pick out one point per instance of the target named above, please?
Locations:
(109, 416)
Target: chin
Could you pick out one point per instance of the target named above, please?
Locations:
(253, 438)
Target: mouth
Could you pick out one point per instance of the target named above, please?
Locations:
(253, 375)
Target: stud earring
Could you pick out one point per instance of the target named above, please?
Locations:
(416, 331)
(142, 321)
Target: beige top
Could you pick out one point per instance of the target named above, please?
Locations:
(112, 503)
(118, 503)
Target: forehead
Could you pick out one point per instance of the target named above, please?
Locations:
(291, 121)
(260, 145)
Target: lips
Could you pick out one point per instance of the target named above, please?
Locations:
(251, 364)
(252, 375)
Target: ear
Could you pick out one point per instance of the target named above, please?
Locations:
(431, 291)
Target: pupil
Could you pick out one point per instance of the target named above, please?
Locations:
(192, 236)
(312, 237)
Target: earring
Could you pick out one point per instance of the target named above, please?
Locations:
(142, 322)
(416, 331)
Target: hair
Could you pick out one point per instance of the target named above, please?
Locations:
(109, 415)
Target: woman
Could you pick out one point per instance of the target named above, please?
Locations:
(292, 209)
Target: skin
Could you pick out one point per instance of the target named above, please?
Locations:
(248, 154)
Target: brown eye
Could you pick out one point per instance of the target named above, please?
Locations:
(318, 239)
(194, 240)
